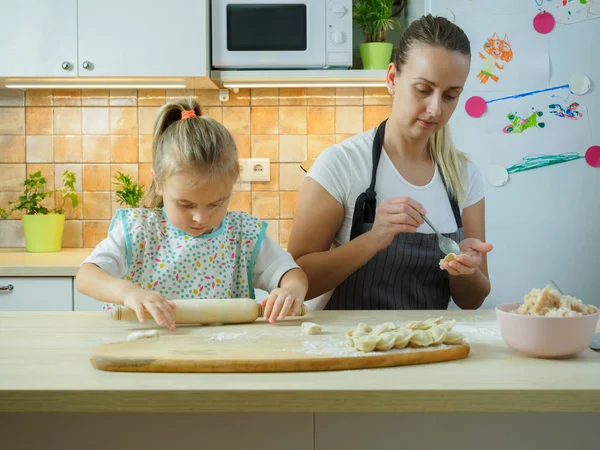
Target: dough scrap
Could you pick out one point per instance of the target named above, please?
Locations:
(143, 334)
(310, 328)
(386, 336)
(550, 303)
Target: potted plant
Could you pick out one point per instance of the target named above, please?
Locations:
(128, 192)
(375, 18)
(43, 228)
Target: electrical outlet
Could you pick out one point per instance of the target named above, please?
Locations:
(255, 169)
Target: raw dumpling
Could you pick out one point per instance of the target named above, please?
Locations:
(453, 338)
(403, 336)
(350, 338)
(386, 342)
(366, 343)
(448, 324)
(383, 328)
(421, 338)
(310, 328)
(363, 327)
(438, 334)
(416, 325)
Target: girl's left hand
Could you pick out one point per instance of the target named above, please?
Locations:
(281, 301)
(469, 259)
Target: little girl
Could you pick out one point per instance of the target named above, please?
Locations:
(185, 244)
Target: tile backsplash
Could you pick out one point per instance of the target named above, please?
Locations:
(96, 133)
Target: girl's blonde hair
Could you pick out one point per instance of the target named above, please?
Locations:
(440, 32)
(199, 145)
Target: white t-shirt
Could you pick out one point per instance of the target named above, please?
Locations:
(344, 170)
(272, 262)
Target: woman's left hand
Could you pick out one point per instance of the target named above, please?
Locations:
(469, 259)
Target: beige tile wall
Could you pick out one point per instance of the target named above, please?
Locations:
(95, 133)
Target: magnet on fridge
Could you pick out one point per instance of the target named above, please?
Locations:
(592, 156)
(543, 22)
(497, 176)
(579, 84)
(475, 106)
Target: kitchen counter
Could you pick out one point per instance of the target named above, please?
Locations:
(44, 367)
(16, 262)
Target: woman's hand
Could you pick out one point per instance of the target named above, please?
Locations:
(393, 216)
(470, 257)
(140, 300)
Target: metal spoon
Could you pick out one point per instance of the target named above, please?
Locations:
(446, 244)
(595, 344)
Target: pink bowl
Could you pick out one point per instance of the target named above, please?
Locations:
(545, 337)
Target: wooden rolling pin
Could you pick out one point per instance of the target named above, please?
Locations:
(207, 311)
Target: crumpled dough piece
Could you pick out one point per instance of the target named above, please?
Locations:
(142, 334)
(438, 334)
(310, 328)
(450, 257)
(421, 338)
(384, 328)
(366, 343)
(363, 327)
(403, 336)
(386, 342)
(453, 338)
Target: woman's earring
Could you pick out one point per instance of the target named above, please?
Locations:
(390, 90)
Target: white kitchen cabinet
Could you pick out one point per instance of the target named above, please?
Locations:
(142, 38)
(84, 303)
(36, 294)
(38, 38)
(109, 38)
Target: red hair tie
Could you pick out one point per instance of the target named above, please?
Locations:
(188, 114)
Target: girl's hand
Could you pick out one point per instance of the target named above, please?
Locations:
(469, 259)
(283, 300)
(393, 216)
(141, 300)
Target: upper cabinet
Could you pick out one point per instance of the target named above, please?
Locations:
(140, 38)
(108, 38)
(38, 38)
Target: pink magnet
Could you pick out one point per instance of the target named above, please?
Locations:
(475, 106)
(543, 23)
(592, 156)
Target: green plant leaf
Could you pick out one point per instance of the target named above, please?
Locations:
(128, 192)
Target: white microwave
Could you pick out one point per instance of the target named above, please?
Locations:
(281, 34)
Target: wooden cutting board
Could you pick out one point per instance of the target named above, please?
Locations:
(256, 349)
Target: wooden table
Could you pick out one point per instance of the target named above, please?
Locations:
(46, 381)
(44, 366)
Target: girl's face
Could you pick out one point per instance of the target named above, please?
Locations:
(426, 90)
(192, 208)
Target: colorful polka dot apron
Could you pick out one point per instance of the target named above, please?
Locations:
(166, 260)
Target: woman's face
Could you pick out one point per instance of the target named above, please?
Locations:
(426, 90)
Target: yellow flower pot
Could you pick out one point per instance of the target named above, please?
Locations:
(43, 232)
(375, 55)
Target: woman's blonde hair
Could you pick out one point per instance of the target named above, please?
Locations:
(199, 145)
(440, 32)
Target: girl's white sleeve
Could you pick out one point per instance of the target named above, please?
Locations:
(111, 254)
(272, 262)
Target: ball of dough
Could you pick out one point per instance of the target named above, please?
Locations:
(386, 342)
(136, 335)
(310, 328)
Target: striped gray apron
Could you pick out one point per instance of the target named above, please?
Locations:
(404, 275)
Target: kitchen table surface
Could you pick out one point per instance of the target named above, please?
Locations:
(44, 366)
(17, 262)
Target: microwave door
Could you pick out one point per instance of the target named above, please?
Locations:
(273, 35)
